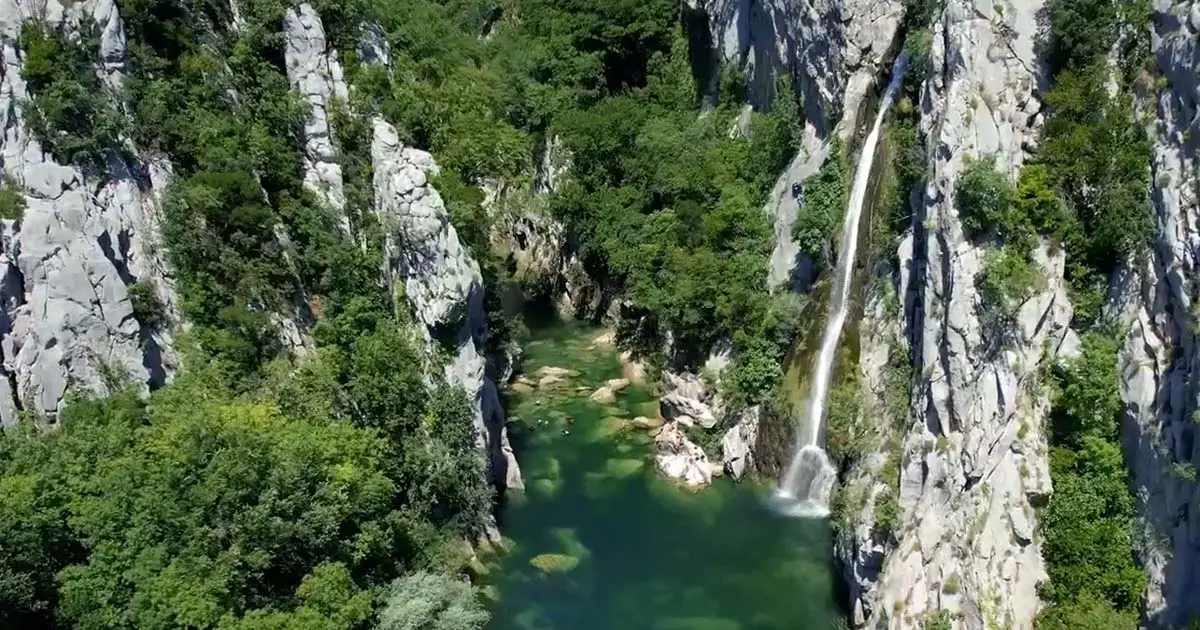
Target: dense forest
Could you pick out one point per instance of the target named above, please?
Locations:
(260, 492)
(336, 492)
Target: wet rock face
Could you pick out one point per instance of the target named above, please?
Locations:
(425, 260)
(84, 239)
(1157, 300)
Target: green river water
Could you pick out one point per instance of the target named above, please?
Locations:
(599, 541)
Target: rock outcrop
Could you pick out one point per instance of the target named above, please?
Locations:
(316, 74)
(686, 396)
(680, 459)
(427, 263)
(833, 50)
(974, 465)
(1160, 359)
(85, 237)
(837, 52)
(739, 442)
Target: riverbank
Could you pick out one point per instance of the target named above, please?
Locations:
(599, 540)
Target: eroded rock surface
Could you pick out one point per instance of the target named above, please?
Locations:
(974, 464)
(440, 280)
(1158, 301)
(84, 239)
(315, 73)
(679, 459)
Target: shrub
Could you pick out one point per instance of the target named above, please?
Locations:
(887, 515)
(940, 620)
(1184, 471)
(825, 199)
(984, 196)
(70, 113)
(424, 601)
(952, 584)
(12, 201)
(147, 307)
(1007, 280)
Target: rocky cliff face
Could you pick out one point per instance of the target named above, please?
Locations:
(833, 50)
(972, 456)
(975, 462)
(426, 263)
(316, 74)
(85, 238)
(1157, 300)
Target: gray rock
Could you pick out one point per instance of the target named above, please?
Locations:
(315, 73)
(427, 263)
(1156, 299)
(967, 480)
(681, 460)
(686, 396)
(737, 446)
(85, 237)
(834, 49)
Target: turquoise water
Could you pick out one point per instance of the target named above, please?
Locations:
(600, 542)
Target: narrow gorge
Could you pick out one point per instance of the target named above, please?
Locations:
(637, 314)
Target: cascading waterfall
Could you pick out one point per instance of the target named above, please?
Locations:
(805, 485)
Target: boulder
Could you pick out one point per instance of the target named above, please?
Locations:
(617, 384)
(737, 446)
(642, 422)
(681, 460)
(561, 373)
(603, 396)
(551, 380)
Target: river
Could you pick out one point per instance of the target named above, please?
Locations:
(599, 541)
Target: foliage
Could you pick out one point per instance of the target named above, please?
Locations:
(887, 515)
(205, 509)
(984, 196)
(70, 112)
(847, 438)
(427, 601)
(1088, 544)
(148, 309)
(1095, 152)
(1088, 612)
(12, 200)
(825, 199)
(1007, 280)
(940, 620)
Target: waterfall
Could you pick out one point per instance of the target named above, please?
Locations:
(805, 485)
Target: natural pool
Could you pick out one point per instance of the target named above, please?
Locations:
(600, 542)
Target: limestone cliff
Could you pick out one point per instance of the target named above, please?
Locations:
(85, 238)
(1156, 299)
(427, 264)
(973, 465)
(970, 451)
(316, 74)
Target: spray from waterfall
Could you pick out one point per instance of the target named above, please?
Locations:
(805, 485)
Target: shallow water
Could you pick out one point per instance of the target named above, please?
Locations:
(600, 542)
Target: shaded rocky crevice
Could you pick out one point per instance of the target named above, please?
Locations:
(1155, 299)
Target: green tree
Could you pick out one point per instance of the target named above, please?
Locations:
(825, 199)
(425, 601)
